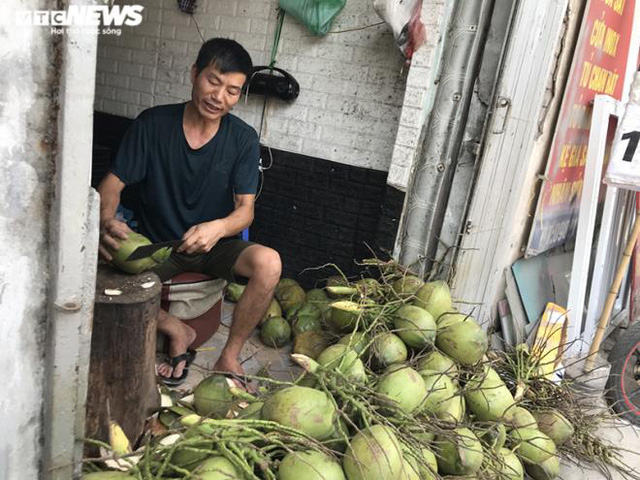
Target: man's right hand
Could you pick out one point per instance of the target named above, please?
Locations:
(110, 231)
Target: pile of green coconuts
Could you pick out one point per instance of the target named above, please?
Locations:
(396, 385)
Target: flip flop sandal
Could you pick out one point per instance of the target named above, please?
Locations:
(188, 358)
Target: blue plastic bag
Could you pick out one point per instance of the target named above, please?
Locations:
(316, 15)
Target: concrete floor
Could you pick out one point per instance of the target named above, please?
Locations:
(256, 357)
(620, 434)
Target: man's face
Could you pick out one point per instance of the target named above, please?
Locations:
(214, 94)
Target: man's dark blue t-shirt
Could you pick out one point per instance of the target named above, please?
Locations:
(179, 187)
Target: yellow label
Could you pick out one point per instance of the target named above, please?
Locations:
(549, 344)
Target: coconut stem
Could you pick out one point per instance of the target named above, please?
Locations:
(308, 364)
(191, 420)
(520, 390)
(242, 394)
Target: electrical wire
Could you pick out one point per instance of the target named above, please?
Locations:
(276, 37)
(262, 116)
(197, 27)
(270, 161)
(357, 28)
(272, 62)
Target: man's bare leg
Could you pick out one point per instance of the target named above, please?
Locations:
(262, 266)
(181, 336)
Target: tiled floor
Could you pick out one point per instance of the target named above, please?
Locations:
(255, 356)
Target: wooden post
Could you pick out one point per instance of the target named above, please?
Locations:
(123, 346)
(611, 298)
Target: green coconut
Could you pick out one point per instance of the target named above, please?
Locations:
(456, 411)
(374, 454)
(507, 465)
(410, 469)
(441, 394)
(309, 465)
(234, 292)
(290, 297)
(522, 418)
(286, 283)
(344, 315)
(251, 412)
(275, 332)
(532, 445)
(554, 425)
(273, 310)
(317, 295)
(212, 398)
(388, 349)
(465, 342)
(417, 470)
(308, 317)
(460, 452)
(436, 361)
(415, 326)
(216, 468)
(162, 254)
(435, 297)
(405, 387)
(425, 437)
(547, 470)
(358, 341)
(112, 475)
(306, 409)
(406, 286)
(187, 456)
(367, 286)
(488, 397)
(461, 477)
(128, 246)
(169, 419)
(495, 437)
(341, 358)
(320, 300)
(430, 458)
(310, 343)
(447, 319)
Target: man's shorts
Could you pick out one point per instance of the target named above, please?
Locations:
(218, 262)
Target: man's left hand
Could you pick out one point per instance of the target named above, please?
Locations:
(202, 237)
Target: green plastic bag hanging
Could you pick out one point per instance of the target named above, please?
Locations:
(316, 15)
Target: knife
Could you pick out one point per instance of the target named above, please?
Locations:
(147, 250)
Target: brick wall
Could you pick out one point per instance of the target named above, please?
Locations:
(315, 212)
(352, 83)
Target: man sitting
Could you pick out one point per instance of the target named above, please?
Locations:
(196, 166)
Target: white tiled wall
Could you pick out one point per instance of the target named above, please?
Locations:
(352, 83)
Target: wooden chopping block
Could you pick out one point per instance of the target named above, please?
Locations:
(122, 380)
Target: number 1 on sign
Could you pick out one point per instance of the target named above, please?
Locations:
(632, 146)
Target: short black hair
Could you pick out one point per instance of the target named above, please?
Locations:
(226, 55)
